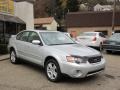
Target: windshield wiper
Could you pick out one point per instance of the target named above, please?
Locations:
(69, 43)
(55, 44)
(62, 44)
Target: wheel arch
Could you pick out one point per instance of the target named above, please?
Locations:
(51, 57)
(11, 48)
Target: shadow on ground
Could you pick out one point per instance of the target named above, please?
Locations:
(65, 78)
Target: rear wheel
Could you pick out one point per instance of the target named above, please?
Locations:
(52, 70)
(13, 57)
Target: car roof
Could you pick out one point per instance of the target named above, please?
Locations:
(91, 32)
(41, 30)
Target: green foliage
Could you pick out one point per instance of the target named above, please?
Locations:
(55, 10)
(59, 8)
(48, 11)
(72, 5)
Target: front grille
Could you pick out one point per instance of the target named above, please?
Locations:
(94, 59)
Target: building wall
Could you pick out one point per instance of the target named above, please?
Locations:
(79, 30)
(24, 10)
(52, 26)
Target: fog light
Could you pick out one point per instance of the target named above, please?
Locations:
(78, 73)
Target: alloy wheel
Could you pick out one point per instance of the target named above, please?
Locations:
(13, 57)
(52, 71)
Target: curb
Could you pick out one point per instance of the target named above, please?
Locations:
(4, 59)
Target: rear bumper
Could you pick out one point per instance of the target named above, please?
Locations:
(83, 70)
(94, 44)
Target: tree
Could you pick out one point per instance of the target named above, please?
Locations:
(72, 5)
(42, 8)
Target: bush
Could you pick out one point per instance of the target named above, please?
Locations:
(3, 49)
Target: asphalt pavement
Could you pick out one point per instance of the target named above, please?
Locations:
(27, 76)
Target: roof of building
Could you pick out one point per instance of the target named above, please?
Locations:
(91, 19)
(41, 21)
(31, 1)
(10, 18)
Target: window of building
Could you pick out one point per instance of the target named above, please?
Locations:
(1, 33)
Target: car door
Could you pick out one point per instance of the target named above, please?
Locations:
(34, 51)
(21, 44)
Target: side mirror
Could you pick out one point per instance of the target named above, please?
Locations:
(36, 42)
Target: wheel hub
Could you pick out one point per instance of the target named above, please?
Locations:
(52, 71)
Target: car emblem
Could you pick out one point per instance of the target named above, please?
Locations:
(96, 60)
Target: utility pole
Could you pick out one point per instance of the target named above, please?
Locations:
(113, 16)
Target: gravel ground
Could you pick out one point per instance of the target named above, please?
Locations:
(30, 77)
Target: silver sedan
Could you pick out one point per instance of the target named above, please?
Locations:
(57, 53)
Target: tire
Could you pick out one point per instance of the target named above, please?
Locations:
(13, 57)
(52, 70)
(109, 51)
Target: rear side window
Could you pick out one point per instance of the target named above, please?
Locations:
(102, 35)
(23, 36)
(19, 36)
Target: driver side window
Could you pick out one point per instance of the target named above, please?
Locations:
(33, 36)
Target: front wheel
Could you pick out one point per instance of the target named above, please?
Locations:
(13, 57)
(52, 70)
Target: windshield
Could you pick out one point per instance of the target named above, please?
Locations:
(56, 38)
(115, 37)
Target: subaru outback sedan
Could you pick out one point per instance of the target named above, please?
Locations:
(57, 53)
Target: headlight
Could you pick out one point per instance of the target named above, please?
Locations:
(74, 59)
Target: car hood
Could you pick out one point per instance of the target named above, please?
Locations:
(115, 42)
(77, 50)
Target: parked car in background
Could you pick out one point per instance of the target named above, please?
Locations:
(57, 53)
(112, 44)
(92, 39)
(66, 33)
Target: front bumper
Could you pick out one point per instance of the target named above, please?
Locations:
(111, 47)
(83, 70)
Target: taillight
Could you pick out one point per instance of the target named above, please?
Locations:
(94, 39)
